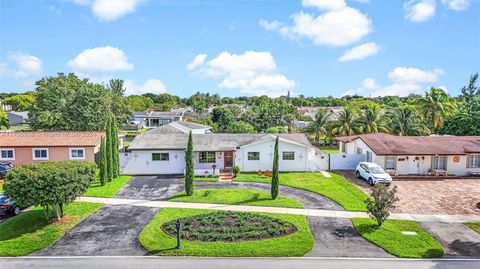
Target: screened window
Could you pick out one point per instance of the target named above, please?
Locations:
(164, 156)
(7, 154)
(77, 154)
(439, 162)
(369, 156)
(206, 157)
(254, 156)
(40, 154)
(474, 161)
(343, 147)
(390, 162)
(288, 155)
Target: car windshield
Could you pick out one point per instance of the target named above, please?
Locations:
(3, 199)
(376, 170)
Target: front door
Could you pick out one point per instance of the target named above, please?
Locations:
(228, 159)
(414, 166)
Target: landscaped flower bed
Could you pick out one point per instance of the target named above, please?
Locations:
(228, 226)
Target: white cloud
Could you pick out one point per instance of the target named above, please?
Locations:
(253, 73)
(419, 10)
(197, 61)
(404, 81)
(149, 86)
(360, 52)
(406, 75)
(101, 59)
(269, 25)
(333, 28)
(110, 10)
(21, 65)
(325, 4)
(457, 5)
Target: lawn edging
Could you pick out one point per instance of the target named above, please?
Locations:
(390, 238)
(155, 240)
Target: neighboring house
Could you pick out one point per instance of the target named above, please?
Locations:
(162, 151)
(27, 147)
(419, 155)
(154, 118)
(5, 107)
(17, 118)
(312, 111)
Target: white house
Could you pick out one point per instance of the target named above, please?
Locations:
(421, 155)
(162, 151)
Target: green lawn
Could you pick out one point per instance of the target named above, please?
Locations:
(155, 240)
(1, 187)
(330, 149)
(236, 197)
(109, 190)
(29, 231)
(336, 188)
(206, 179)
(389, 237)
(474, 226)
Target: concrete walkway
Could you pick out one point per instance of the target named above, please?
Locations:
(279, 210)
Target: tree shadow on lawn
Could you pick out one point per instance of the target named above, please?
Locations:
(252, 200)
(466, 248)
(160, 251)
(26, 222)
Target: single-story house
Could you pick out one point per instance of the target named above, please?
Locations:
(28, 147)
(154, 118)
(17, 117)
(418, 155)
(162, 151)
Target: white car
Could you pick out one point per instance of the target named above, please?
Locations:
(372, 173)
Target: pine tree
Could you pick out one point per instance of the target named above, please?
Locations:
(108, 147)
(116, 160)
(103, 163)
(189, 174)
(275, 172)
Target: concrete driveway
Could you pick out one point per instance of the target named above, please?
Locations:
(153, 188)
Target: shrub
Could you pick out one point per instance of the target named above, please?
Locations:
(260, 173)
(49, 184)
(236, 170)
(381, 201)
(268, 173)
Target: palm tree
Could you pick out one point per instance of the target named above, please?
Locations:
(347, 123)
(116, 86)
(435, 107)
(373, 120)
(406, 121)
(319, 125)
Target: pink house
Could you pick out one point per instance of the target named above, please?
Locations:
(28, 147)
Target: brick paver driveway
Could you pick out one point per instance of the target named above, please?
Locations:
(450, 196)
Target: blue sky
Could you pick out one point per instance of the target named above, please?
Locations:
(235, 48)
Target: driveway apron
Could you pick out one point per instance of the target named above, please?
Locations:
(336, 237)
(457, 239)
(154, 188)
(110, 231)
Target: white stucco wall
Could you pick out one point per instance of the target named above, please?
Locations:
(140, 163)
(266, 157)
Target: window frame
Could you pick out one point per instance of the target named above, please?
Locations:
(206, 158)
(7, 158)
(77, 149)
(255, 155)
(40, 158)
(161, 156)
(288, 152)
(394, 162)
(472, 159)
(435, 164)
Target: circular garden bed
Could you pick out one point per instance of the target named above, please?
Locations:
(228, 226)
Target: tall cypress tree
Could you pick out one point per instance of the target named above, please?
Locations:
(189, 174)
(275, 171)
(116, 160)
(108, 147)
(103, 163)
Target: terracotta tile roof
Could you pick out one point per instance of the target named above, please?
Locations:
(50, 138)
(385, 144)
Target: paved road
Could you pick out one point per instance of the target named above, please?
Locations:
(231, 263)
(457, 239)
(112, 231)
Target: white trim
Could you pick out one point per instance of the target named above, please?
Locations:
(40, 159)
(7, 149)
(76, 158)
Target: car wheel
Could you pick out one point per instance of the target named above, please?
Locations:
(357, 174)
(370, 181)
(16, 210)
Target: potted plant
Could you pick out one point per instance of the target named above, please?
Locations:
(260, 173)
(268, 173)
